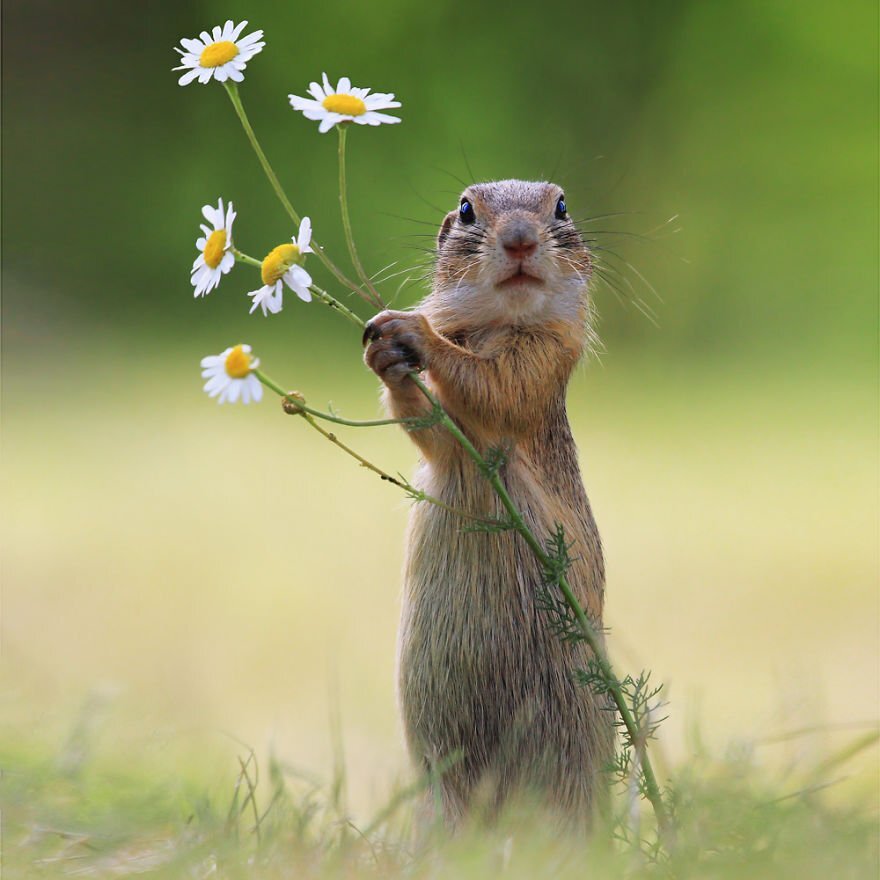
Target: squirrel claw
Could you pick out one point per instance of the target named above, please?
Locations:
(371, 332)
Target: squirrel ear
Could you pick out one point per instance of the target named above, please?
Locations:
(443, 234)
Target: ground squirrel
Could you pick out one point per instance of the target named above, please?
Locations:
(480, 672)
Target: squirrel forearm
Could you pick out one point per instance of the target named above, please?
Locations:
(501, 394)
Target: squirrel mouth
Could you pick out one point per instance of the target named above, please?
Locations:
(519, 278)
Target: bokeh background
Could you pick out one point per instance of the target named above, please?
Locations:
(177, 574)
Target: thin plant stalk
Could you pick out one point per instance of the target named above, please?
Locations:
(232, 91)
(244, 258)
(295, 406)
(327, 417)
(336, 305)
(346, 222)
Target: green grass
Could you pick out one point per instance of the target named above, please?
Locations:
(104, 818)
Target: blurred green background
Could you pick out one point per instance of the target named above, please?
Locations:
(184, 571)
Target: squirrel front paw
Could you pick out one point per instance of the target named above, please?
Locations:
(396, 345)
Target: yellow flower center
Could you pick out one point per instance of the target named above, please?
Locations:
(218, 53)
(238, 363)
(348, 105)
(278, 261)
(214, 248)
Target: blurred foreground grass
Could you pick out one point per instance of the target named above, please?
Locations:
(733, 820)
(181, 578)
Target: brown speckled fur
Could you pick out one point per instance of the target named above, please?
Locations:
(479, 670)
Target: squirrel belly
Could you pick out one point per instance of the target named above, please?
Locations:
(490, 705)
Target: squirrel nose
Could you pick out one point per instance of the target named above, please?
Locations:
(520, 240)
(522, 250)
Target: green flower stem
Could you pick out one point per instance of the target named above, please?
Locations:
(412, 491)
(346, 222)
(347, 449)
(308, 414)
(334, 303)
(244, 258)
(327, 417)
(232, 91)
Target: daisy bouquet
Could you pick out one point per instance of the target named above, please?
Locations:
(234, 375)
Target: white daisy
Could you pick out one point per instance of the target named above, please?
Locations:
(230, 375)
(283, 265)
(215, 257)
(219, 55)
(344, 104)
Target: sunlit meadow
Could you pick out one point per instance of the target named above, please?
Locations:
(184, 583)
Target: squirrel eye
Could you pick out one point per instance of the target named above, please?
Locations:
(466, 212)
(561, 210)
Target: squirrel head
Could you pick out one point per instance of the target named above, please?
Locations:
(510, 254)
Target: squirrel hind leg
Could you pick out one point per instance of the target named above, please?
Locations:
(444, 803)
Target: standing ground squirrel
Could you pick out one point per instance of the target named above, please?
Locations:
(481, 675)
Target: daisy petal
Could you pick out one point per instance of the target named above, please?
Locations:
(304, 239)
(373, 118)
(193, 46)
